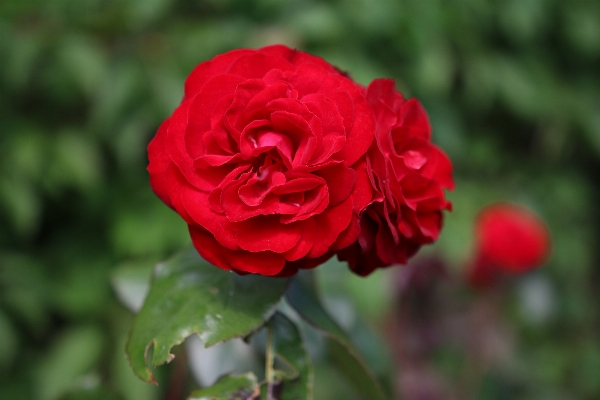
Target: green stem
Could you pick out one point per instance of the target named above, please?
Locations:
(269, 370)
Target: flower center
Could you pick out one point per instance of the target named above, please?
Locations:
(265, 165)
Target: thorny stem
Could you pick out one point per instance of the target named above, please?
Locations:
(269, 371)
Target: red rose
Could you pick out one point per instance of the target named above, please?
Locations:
(509, 239)
(264, 160)
(409, 175)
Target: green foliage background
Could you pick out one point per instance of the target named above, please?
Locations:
(512, 89)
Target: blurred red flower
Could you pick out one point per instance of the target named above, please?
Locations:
(509, 239)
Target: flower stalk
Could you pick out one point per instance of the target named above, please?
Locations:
(269, 364)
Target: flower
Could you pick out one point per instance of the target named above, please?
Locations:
(409, 175)
(509, 239)
(265, 160)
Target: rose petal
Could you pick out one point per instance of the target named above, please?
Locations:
(430, 224)
(385, 245)
(308, 78)
(330, 123)
(240, 174)
(176, 148)
(361, 135)
(208, 247)
(296, 57)
(414, 159)
(385, 100)
(363, 193)
(220, 141)
(174, 182)
(300, 133)
(299, 183)
(264, 262)
(244, 92)
(305, 243)
(202, 106)
(249, 137)
(208, 69)
(259, 106)
(331, 222)
(281, 142)
(414, 116)
(256, 65)
(340, 182)
(315, 202)
(159, 161)
(266, 233)
(255, 190)
(348, 235)
(292, 267)
(441, 168)
(197, 206)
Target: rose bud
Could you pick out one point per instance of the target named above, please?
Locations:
(510, 239)
(409, 175)
(265, 160)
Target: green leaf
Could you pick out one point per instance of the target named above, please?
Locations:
(188, 295)
(350, 364)
(303, 297)
(289, 347)
(239, 387)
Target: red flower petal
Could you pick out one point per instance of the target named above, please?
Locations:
(331, 222)
(360, 136)
(415, 118)
(305, 243)
(340, 182)
(256, 65)
(266, 233)
(197, 206)
(296, 57)
(208, 247)
(208, 69)
(263, 262)
(159, 161)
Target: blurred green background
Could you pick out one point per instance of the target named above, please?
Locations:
(512, 89)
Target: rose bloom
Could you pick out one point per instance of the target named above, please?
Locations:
(510, 239)
(409, 175)
(265, 160)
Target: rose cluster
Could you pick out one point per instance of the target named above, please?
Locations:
(277, 161)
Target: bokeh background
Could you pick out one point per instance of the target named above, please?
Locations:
(512, 89)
